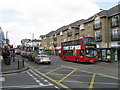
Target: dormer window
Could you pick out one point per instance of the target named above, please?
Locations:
(97, 23)
(61, 33)
(82, 27)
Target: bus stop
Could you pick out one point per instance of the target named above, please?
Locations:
(108, 54)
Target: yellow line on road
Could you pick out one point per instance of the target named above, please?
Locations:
(53, 70)
(108, 76)
(67, 75)
(52, 80)
(107, 83)
(42, 67)
(75, 81)
(92, 82)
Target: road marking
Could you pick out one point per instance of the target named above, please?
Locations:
(53, 70)
(2, 79)
(108, 76)
(25, 86)
(92, 82)
(52, 80)
(42, 67)
(92, 73)
(48, 83)
(67, 76)
(107, 83)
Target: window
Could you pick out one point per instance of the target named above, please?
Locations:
(61, 33)
(97, 24)
(68, 52)
(91, 53)
(89, 40)
(115, 34)
(70, 43)
(98, 36)
(115, 21)
(82, 27)
(78, 42)
(64, 44)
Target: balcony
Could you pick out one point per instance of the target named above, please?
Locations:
(69, 34)
(115, 24)
(97, 26)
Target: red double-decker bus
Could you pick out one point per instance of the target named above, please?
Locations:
(79, 50)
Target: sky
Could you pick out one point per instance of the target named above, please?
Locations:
(21, 18)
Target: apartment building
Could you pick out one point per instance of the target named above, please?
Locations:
(104, 26)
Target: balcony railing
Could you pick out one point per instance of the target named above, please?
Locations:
(115, 24)
(97, 26)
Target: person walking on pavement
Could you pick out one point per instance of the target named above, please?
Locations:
(6, 54)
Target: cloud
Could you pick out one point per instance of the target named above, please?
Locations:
(22, 17)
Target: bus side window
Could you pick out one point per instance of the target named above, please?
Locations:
(81, 52)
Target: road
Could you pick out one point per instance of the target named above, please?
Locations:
(63, 74)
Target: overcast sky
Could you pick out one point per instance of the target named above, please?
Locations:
(22, 17)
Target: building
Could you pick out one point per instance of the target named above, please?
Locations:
(103, 26)
(2, 38)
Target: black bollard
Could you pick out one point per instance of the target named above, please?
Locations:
(23, 62)
(18, 64)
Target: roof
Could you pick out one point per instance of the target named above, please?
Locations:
(77, 23)
(112, 11)
(35, 40)
(50, 33)
(61, 29)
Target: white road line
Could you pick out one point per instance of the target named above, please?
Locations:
(2, 79)
(24, 86)
(41, 84)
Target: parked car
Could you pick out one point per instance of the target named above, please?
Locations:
(42, 59)
(27, 54)
(17, 52)
(31, 56)
(23, 54)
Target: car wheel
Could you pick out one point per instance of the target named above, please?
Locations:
(49, 62)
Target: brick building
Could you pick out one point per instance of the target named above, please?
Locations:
(104, 26)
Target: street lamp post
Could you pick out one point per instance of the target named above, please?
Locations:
(32, 39)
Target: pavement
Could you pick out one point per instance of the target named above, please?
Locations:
(14, 67)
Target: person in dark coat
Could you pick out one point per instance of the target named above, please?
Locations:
(6, 54)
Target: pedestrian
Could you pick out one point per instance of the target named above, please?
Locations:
(6, 55)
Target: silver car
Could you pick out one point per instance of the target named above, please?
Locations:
(42, 59)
